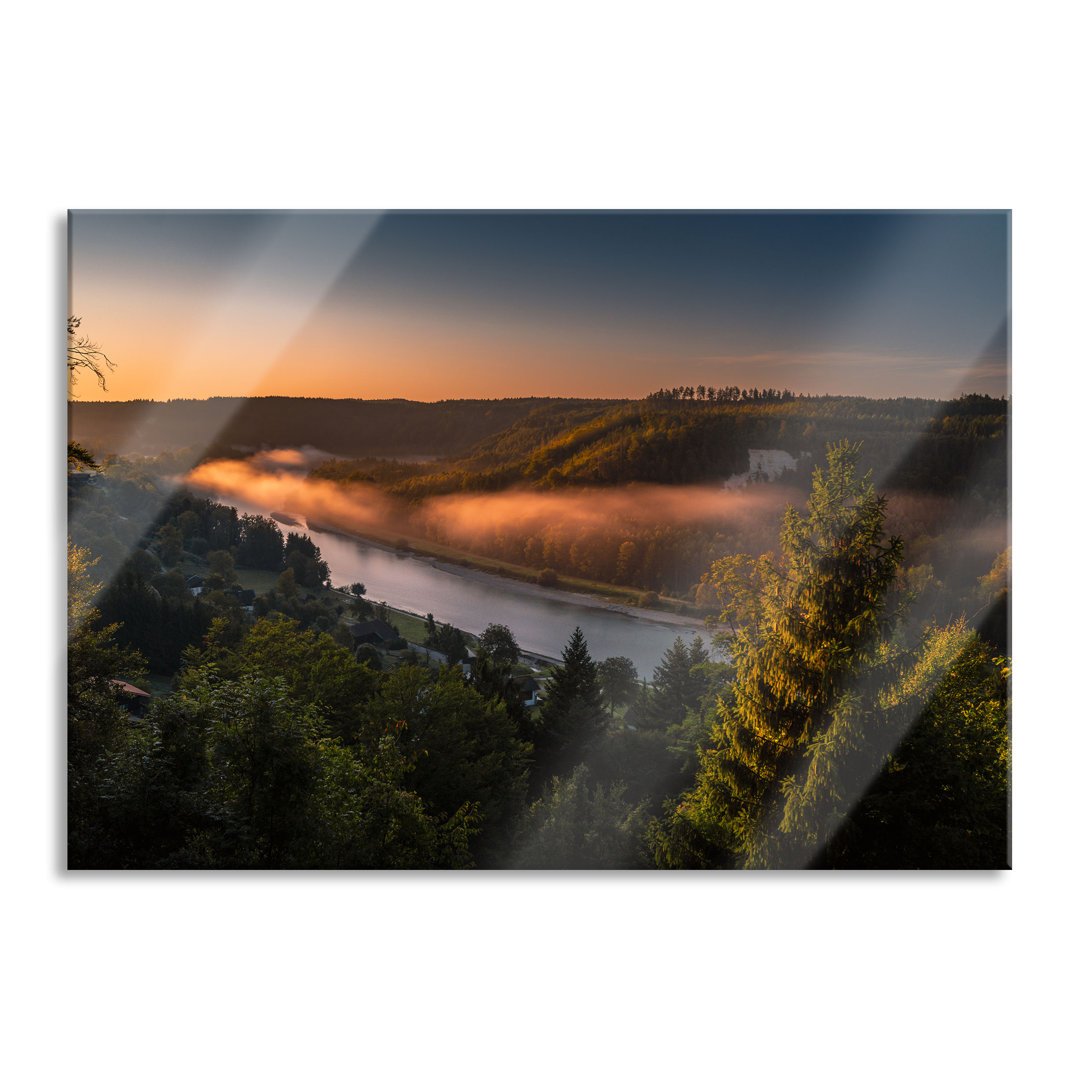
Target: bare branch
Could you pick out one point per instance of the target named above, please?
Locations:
(84, 355)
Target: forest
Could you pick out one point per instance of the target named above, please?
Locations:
(344, 427)
(942, 465)
(847, 708)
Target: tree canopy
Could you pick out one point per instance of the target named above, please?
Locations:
(499, 643)
(573, 713)
(802, 655)
(824, 700)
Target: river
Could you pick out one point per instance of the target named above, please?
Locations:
(542, 622)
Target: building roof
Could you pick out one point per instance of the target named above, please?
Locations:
(127, 688)
(374, 626)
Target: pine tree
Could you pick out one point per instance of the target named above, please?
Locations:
(809, 664)
(573, 715)
(679, 683)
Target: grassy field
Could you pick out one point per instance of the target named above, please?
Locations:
(262, 581)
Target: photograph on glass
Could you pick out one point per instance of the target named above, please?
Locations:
(539, 540)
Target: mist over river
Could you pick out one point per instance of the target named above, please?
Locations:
(541, 621)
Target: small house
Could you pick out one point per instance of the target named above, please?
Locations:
(529, 689)
(373, 632)
(133, 699)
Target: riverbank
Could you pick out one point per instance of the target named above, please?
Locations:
(472, 597)
(421, 547)
(525, 588)
(515, 584)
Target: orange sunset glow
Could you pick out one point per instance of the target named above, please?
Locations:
(429, 307)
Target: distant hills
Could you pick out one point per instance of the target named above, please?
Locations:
(947, 448)
(345, 427)
(914, 444)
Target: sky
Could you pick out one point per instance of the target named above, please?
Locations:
(431, 306)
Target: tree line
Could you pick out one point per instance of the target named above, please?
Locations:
(721, 394)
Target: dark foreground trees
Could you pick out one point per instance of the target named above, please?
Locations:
(618, 680)
(573, 713)
(582, 825)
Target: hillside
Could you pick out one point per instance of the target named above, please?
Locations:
(345, 427)
(945, 448)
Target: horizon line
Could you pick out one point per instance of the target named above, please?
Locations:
(798, 395)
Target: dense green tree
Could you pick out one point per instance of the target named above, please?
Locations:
(812, 661)
(495, 682)
(360, 608)
(188, 523)
(573, 712)
(264, 751)
(287, 584)
(618, 681)
(280, 794)
(463, 750)
(96, 720)
(450, 641)
(171, 586)
(579, 825)
(941, 801)
(144, 563)
(316, 669)
(222, 567)
(170, 544)
(160, 624)
(262, 546)
(305, 559)
(679, 684)
(500, 644)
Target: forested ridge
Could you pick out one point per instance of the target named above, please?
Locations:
(943, 464)
(916, 444)
(341, 426)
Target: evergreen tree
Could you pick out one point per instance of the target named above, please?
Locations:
(582, 825)
(809, 666)
(941, 800)
(679, 683)
(573, 714)
(450, 641)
